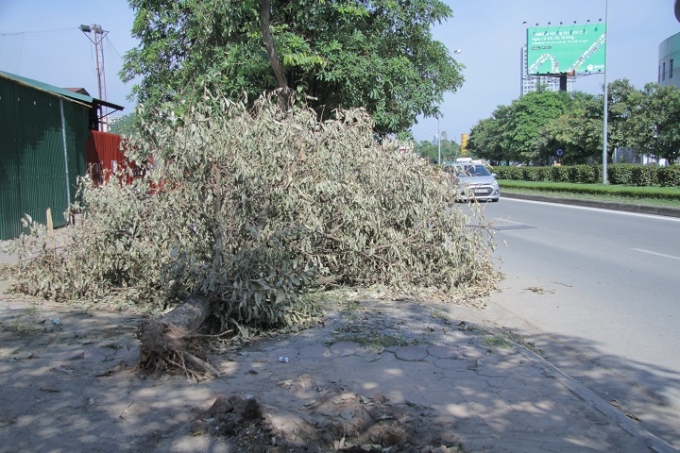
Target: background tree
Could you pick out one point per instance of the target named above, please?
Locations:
(578, 132)
(534, 126)
(377, 54)
(427, 150)
(623, 101)
(450, 151)
(654, 123)
(125, 125)
(528, 116)
(489, 138)
(430, 150)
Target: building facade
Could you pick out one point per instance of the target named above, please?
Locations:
(43, 134)
(669, 61)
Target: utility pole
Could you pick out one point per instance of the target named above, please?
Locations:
(605, 139)
(97, 38)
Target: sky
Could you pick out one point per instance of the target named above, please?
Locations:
(41, 39)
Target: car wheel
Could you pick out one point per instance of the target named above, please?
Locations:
(495, 200)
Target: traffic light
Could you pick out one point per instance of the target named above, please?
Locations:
(463, 144)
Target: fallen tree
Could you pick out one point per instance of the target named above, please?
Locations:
(252, 209)
(170, 339)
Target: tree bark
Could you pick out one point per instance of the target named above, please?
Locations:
(190, 315)
(284, 92)
(165, 342)
(268, 41)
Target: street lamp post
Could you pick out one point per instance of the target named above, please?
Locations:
(605, 140)
(98, 35)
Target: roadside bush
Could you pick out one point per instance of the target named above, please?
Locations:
(644, 175)
(528, 174)
(543, 173)
(559, 174)
(621, 174)
(669, 176)
(618, 174)
(597, 173)
(583, 174)
(512, 173)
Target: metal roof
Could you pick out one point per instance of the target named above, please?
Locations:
(62, 92)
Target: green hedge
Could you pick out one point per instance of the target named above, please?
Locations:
(656, 192)
(618, 174)
(669, 176)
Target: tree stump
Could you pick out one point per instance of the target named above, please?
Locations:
(169, 343)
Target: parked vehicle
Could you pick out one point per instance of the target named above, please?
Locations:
(474, 181)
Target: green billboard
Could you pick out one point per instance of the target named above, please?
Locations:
(577, 49)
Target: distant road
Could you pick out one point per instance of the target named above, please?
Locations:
(601, 291)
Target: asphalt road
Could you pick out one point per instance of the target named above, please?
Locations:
(598, 291)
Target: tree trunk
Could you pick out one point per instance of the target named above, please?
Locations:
(277, 67)
(167, 343)
(268, 41)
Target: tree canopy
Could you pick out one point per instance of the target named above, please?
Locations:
(125, 125)
(533, 127)
(376, 54)
(654, 124)
(431, 150)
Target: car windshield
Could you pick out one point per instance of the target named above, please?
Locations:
(472, 170)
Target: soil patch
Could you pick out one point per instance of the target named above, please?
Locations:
(372, 376)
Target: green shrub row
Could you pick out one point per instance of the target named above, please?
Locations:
(652, 192)
(617, 174)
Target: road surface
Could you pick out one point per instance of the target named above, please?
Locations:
(598, 291)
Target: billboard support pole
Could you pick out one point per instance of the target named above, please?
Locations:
(605, 140)
(563, 81)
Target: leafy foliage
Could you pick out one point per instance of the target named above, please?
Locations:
(378, 54)
(646, 195)
(529, 115)
(577, 132)
(617, 174)
(254, 208)
(532, 128)
(431, 151)
(654, 124)
(125, 125)
(489, 138)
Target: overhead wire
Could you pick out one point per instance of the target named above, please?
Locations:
(36, 31)
(113, 47)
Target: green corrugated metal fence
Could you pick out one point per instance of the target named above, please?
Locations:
(42, 152)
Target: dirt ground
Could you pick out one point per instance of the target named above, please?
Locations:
(70, 383)
(359, 381)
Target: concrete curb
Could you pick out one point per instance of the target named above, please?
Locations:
(633, 428)
(638, 208)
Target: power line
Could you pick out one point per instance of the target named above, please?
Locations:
(112, 46)
(38, 31)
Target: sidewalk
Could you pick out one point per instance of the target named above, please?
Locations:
(451, 383)
(5, 256)
(447, 379)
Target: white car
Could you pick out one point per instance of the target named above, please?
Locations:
(474, 182)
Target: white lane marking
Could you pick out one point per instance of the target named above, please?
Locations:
(501, 220)
(657, 254)
(585, 208)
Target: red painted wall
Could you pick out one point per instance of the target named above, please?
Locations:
(104, 157)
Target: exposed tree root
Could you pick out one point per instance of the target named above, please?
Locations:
(170, 343)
